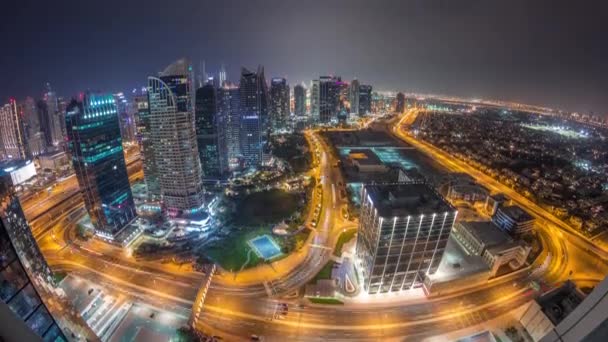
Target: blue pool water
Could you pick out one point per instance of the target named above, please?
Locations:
(265, 247)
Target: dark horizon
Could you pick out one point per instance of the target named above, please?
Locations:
(548, 53)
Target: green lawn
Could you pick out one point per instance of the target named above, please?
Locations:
(266, 207)
(325, 272)
(231, 252)
(58, 276)
(344, 238)
(331, 301)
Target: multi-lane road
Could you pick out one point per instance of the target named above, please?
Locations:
(239, 310)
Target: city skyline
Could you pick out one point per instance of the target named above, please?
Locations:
(361, 170)
(471, 50)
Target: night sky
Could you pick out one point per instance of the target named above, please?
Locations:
(551, 53)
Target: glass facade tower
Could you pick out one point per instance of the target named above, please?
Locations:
(173, 134)
(403, 231)
(12, 136)
(26, 281)
(279, 102)
(299, 100)
(253, 108)
(95, 146)
(228, 107)
(207, 130)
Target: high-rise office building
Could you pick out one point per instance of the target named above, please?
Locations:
(34, 138)
(27, 287)
(365, 99)
(403, 231)
(329, 98)
(55, 117)
(254, 117)
(354, 97)
(12, 134)
(279, 102)
(315, 100)
(299, 99)
(400, 103)
(174, 138)
(228, 108)
(45, 122)
(146, 146)
(126, 118)
(95, 146)
(222, 76)
(206, 121)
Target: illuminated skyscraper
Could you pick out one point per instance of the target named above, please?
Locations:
(12, 134)
(26, 282)
(365, 99)
(95, 146)
(400, 105)
(34, 138)
(254, 116)
(222, 76)
(125, 118)
(206, 121)
(403, 231)
(228, 108)
(354, 97)
(329, 95)
(299, 99)
(315, 100)
(55, 117)
(174, 138)
(147, 147)
(279, 102)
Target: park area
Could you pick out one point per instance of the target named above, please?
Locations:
(247, 238)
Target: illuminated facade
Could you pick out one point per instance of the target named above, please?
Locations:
(26, 281)
(299, 100)
(279, 102)
(254, 115)
(403, 231)
(144, 137)
(172, 128)
(365, 99)
(206, 122)
(36, 145)
(12, 137)
(230, 126)
(354, 97)
(95, 147)
(328, 98)
(400, 105)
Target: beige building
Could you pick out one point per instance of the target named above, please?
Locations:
(494, 246)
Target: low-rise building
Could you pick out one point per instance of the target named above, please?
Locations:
(467, 192)
(493, 202)
(19, 170)
(494, 246)
(548, 311)
(366, 161)
(55, 162)
(513, 220)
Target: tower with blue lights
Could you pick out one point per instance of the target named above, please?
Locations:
(95, 146)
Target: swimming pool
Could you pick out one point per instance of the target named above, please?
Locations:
(265, 247)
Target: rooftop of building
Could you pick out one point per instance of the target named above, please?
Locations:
(499, 197)
(52, 154)
(559, 302)
(364, 156)
(456, 263)
(8, 166)
(402, 199)
(516, 213)
(486, 232)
